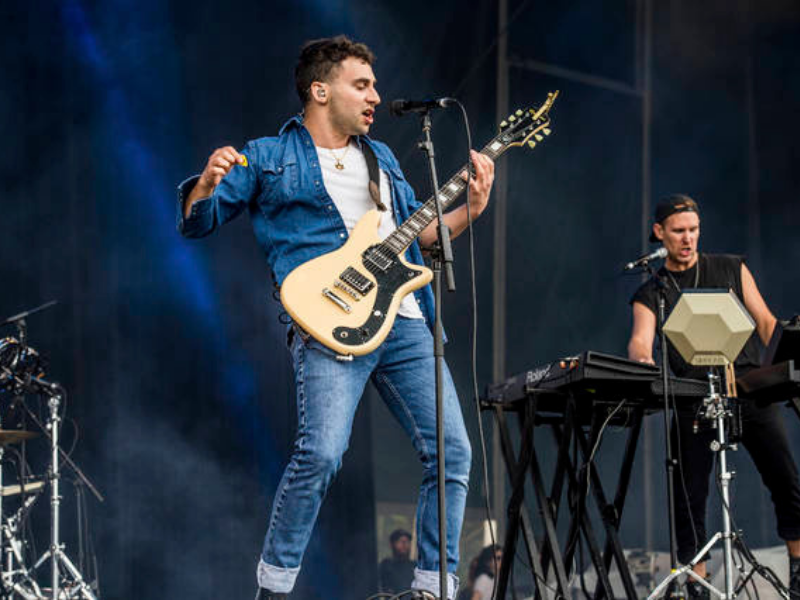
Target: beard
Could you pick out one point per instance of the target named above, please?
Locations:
(346, 121)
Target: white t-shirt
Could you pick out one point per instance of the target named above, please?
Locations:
(349, 189)
(484, 585)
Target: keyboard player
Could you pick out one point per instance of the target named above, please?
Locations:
(677, 226)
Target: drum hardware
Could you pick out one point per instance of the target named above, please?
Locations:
(16, 576)
(20, 364)
(14, 436)
(24, 489)
(22, 372)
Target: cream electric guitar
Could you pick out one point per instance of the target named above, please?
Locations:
(348, 299)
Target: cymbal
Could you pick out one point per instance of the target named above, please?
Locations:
(28, 488)
(14, 436)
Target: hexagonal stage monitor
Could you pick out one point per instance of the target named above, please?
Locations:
(709, 327)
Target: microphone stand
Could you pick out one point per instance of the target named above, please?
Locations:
(441, 253)
(670, 461)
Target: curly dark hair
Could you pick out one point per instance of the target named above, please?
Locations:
(318, 59)
(485, 560)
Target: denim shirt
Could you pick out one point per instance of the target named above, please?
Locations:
(293, 217)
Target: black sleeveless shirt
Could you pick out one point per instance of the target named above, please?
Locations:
(716, 271)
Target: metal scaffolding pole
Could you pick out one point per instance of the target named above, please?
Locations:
(645, 25)
(498, 491)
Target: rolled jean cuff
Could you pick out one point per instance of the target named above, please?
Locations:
(276, 579)
(428, 581)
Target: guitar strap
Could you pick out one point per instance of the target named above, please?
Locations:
(375, 193)
(374, 176)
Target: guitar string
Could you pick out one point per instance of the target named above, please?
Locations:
(400, 238)
(391, 240)
(394, 242)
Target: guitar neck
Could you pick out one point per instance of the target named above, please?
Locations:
(402, 237)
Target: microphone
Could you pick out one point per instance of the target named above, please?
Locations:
(643, 260)
(400, 107)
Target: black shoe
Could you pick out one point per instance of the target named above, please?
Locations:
(794, 578)
(264, 594)
(697, 591)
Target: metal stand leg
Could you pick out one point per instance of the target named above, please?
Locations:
(725, 478)
(74, 584)
(55, 496)
(716, 410)
(15, 578)
(3, 546)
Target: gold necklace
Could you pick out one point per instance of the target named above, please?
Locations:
(337, 160)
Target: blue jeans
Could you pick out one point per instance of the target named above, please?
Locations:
(328, 393)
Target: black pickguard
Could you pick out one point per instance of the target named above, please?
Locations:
(388, 282)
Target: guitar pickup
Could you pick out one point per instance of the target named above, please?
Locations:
(336, 300)
(357, 281)
(376, 259)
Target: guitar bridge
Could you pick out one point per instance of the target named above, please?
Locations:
(336, 300)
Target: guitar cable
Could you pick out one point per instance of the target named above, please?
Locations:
(474, 370)
(474, 341)
(474, 360)
(678, 457)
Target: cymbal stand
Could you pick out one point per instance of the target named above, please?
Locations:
(18, 579)
(3, 548)
(77, 587)
(14, 575)
(717, 410)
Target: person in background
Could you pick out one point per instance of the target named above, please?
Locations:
(395, 573)
(488, 566)
(677, 226)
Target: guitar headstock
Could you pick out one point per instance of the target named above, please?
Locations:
(528, 126)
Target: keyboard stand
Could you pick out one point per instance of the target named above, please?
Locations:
(550, 566)
(518, 464)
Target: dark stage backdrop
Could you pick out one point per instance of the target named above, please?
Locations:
(180, 385)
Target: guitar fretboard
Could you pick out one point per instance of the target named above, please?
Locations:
(403, 236)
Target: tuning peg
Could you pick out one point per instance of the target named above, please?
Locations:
(532, 144)
(512, 118)
(546, 131)
(538, 137)
(504, 124)
(518, 113)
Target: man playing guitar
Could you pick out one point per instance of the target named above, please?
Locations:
(305, 190)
